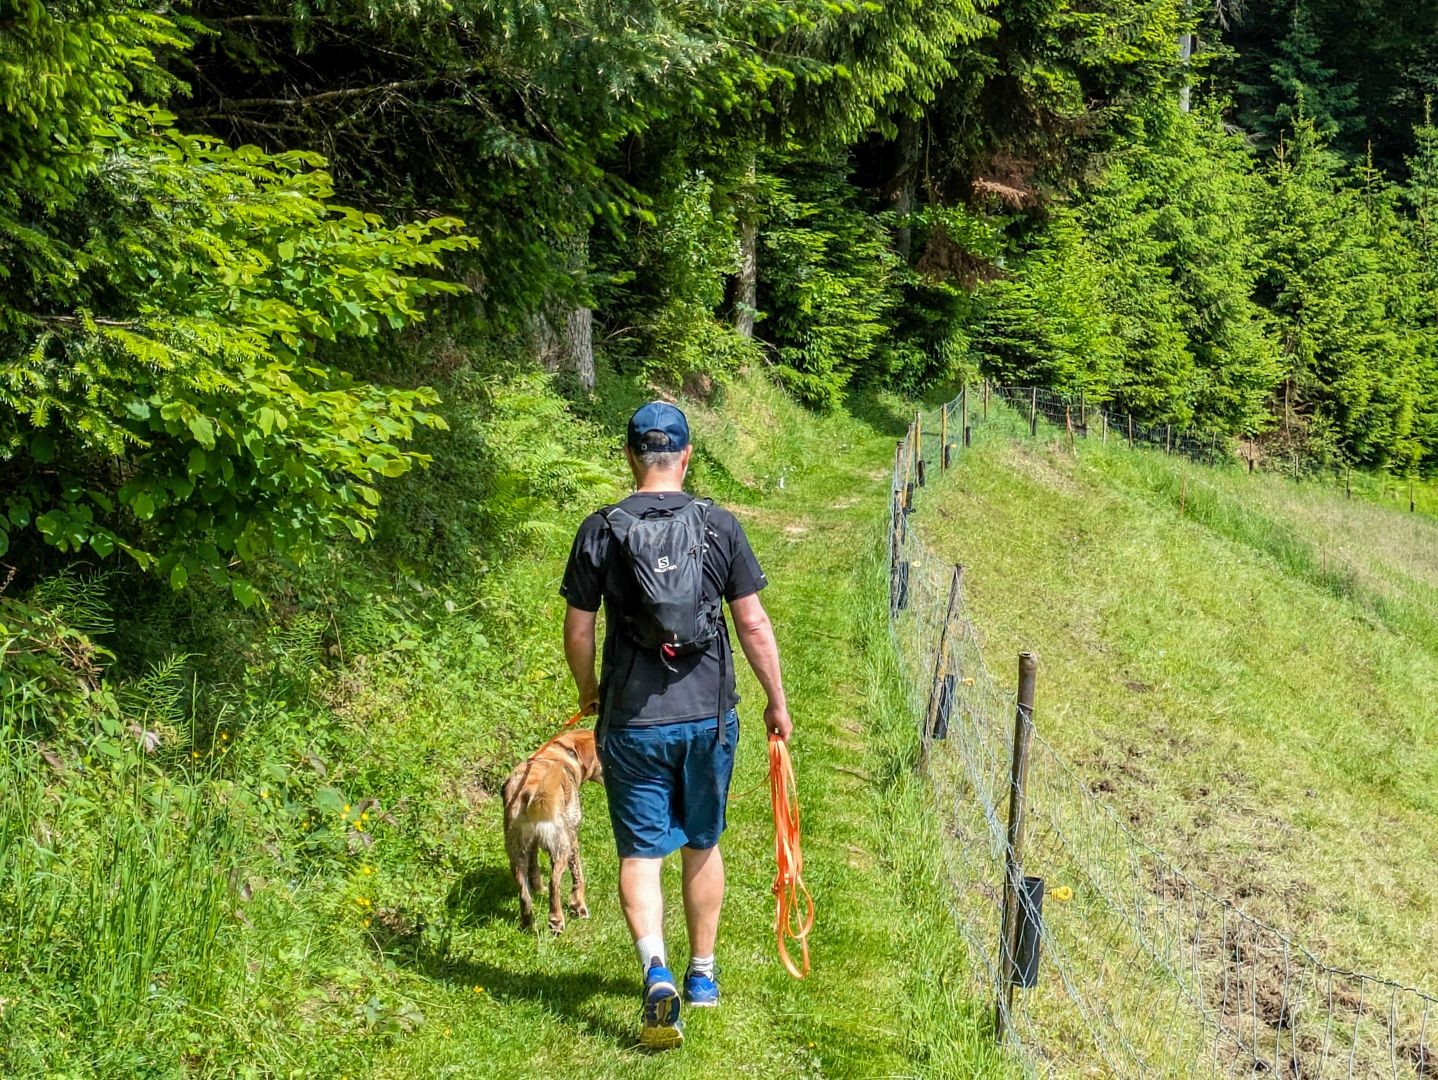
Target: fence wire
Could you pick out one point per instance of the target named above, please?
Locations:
(1143, 971)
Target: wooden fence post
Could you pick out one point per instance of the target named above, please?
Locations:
(986, 399)
(919, 437)
(941, 667)
(944, 438)
(1013, 849)
(1130, 431)
(964, 415)
(1103, 423)
(1034, 411)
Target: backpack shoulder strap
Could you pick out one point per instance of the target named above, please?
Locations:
(619, 521)
(702, 508)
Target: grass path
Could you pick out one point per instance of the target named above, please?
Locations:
(501, 1002)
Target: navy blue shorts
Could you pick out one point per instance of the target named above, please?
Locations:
(667, 785)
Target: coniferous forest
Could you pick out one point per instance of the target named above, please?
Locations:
(250, 248)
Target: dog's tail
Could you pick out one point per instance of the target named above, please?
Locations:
(516, 795)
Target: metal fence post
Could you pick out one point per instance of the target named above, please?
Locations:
(1013, 850)
(964, 415)
(944, 437)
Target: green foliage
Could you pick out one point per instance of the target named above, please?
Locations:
(510, 451)
(170, 383)
(829, 284)
(666, 285)
(1175, 216)
(1335, 281)
(1048, 322)
(1361, 69)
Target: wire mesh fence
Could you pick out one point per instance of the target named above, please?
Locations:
(1141, 971)
(1073, 415)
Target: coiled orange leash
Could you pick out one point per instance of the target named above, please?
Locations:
(794, 907)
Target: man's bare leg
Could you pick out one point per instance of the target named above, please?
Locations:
(703, 897)
(643, 902)
(642, 899)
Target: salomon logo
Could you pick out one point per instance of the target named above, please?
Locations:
(663, 566)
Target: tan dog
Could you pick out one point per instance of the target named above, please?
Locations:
(542, 813)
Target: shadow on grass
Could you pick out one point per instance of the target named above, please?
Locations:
(883, 416)
(567, 995)
(486, 897)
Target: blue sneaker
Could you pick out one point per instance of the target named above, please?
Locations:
(701, 991)
(662, 1030)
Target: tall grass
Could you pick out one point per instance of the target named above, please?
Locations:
(117, 886)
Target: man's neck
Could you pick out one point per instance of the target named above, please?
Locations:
(660, 485)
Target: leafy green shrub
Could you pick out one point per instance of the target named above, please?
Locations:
(170, 383)
(667, 286)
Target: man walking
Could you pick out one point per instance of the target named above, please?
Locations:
(663, 563)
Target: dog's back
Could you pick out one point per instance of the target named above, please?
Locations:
(542, 812)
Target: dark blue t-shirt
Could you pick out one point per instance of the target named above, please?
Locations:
(635, 685)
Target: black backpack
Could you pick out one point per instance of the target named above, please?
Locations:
(665, 551)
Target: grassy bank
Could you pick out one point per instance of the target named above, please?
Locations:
(303, 873)
(1242, 666)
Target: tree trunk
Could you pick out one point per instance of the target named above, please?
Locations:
(563, 332)
(1185, 51)
(901, 185)
(743, 292)
(746, 285)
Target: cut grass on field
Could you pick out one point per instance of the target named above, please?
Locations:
(1245, 667)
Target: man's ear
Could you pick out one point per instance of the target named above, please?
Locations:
(684, 458)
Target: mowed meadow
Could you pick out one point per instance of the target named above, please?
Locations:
(1243, 667)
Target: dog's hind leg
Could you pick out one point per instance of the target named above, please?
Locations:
(577, 907)
(535, 884)
(559, 856)
(521, 865)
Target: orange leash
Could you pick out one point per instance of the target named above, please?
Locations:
(571, 722)
(794, 907)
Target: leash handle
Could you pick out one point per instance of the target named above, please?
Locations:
(793, 906)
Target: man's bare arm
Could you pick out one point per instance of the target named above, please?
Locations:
(579, 652)
(756, 637)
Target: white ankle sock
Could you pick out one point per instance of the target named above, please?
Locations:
(702, 965)
(651, 948)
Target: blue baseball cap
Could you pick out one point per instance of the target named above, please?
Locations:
(662, 417)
